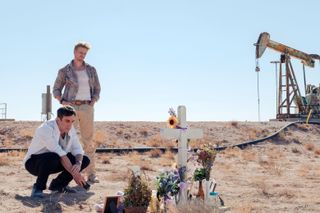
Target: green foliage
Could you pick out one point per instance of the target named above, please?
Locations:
(199, 174)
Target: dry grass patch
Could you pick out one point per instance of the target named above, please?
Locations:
(272, 165)
(155, 153)
(106, 161)
(244, 208)
(275, 154)
(11, 157)
(303, 127)
(287, 193)
(133, 158)
(102, 156)
(169, 155)
(198, 143)
(310, 146)
(277, 169)
(27, 133)
(3, 160)
(16, 154)
(232, 152)
(249, 155)
(167, 159)
(3, 193)
(304, 170)
(116, 176)
(262, 186)
(146, 166)
(252, 134)
(317, 151)
(265, 161)
(281, 137)
(144, 132)
(100, 137)
(196, 206)
(223, 166)
(296, 150)
(234, 124)
(157, 141)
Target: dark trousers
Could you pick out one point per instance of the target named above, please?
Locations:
(43, 165)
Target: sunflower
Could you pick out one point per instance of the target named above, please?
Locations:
(172, 122)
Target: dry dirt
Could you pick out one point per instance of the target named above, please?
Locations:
(279, 175)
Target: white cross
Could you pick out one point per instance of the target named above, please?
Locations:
(182, 134)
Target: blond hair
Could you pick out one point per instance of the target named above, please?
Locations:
(82, 44)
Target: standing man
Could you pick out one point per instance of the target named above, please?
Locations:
(81, 90)
(55, 148)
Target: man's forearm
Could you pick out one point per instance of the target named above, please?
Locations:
(66, 163)
(71, 169)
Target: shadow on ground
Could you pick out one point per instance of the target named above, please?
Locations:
(53, 202)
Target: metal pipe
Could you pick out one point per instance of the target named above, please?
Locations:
(276, 77)
(258, 91)
(221, 148)
(306, 59)
(304, 80)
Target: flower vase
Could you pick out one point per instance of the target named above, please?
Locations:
(207, 186)
(200, 191)
(165, 207)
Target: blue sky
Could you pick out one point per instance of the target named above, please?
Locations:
(152, 55)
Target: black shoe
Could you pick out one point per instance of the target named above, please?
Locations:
(63, 189)
(36, 193)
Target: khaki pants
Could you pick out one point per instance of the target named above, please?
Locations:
(85, 120)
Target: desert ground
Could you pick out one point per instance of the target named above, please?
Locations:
(281, 174)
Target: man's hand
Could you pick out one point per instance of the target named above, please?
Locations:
(92, 102)
(79, 179)
(75, 169)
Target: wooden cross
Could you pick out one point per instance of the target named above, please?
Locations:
(182, 134)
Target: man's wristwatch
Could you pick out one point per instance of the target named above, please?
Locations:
(79, 162)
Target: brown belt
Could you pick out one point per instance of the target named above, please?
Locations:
(78, 103)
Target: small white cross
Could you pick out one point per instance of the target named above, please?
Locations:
(182, 134)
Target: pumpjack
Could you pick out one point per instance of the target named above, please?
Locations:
(291, 105)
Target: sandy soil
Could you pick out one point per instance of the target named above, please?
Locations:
(279, 175)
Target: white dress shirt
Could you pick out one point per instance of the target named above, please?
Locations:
(46, 139)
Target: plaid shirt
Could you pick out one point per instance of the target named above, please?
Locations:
(68, 80)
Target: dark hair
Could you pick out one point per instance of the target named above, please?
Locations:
(65, 111)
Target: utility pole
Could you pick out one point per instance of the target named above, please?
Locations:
(46, 103)
(258, 87)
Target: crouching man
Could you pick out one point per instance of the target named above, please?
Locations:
(55, 148)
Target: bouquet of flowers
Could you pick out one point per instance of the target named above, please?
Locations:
(206, 156)
(172, 122)
(137, 193)
(168, 184)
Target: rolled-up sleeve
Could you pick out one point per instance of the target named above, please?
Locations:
(49, 140)
(59, 83)
(76, 147)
